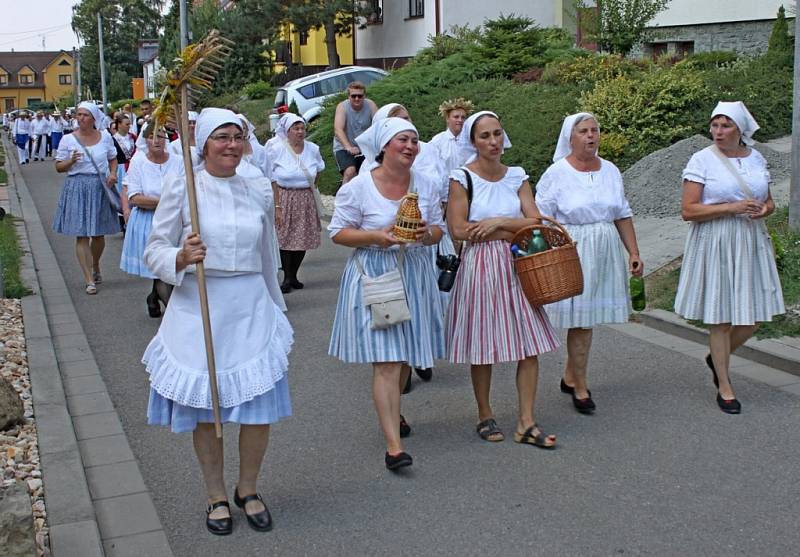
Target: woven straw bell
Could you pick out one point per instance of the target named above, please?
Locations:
(409, 218)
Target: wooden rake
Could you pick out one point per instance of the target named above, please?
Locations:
(195, 69)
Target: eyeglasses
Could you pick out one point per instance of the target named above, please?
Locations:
(356, 96)
(227, 138)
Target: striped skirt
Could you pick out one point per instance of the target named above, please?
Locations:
(729, 274)
(605, 297)
(83, 208)
(489, 320)
(299, 229)
(136, 235)
(417, 341)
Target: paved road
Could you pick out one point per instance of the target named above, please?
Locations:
(657, 471)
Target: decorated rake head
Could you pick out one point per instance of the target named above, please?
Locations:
(195, 68)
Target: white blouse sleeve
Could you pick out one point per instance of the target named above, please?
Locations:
(348, 212)
(163, 245)
(516, 176)
(696, 169)
(319, 163)
(65, 148)
(623, 208)
(133, 178)
(111, 151)
(545, 195)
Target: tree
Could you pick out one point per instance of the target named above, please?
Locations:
(203, 18)
(337, 17)
(124, 23)
(617, 25)
(780, 42)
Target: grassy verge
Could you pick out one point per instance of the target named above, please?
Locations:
(662, 285)
(10, 255)
(3, 177)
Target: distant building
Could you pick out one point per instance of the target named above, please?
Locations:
(308, 49)
(27, 78)
(148, 58)
(689, 26)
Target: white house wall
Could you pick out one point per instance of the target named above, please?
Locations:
(695, 12)
(398, 36)
(546, 13)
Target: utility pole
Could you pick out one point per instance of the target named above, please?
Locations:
(184, 17)
(794, 190)
(102, 62)
(77, 94)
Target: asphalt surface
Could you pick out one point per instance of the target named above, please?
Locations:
(659, 470)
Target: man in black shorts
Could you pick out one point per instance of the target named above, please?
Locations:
(352, 118)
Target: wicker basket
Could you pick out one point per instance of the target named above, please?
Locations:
(409, 217)
(552, 275)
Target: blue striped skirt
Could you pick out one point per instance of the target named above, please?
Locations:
(417, 341)
(267, 408)
(83, 208)
(136, 234)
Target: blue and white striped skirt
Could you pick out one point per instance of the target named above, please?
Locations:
(605, 297)
(417, 341)
(729, 274)
(136, 234)
(83, 208)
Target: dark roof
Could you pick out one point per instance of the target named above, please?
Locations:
(12, 62)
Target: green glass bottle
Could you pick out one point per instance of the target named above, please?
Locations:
(537, 243)
(638, 300)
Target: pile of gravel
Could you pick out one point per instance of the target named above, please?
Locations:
(653, 185)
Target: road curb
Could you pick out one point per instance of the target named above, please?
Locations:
(767, 352)
(76, 482)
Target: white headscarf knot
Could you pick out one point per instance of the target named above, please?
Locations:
(383, 112)
(375, 138)
(564, 147)
(287, 121)
(738, 112)
(210, 119)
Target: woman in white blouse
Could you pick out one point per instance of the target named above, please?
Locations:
(584, 193)
(89, 158)
(143, 183)
(729, 279)
(366, 210)
(489, 319)
(295, 167)
(252, 337)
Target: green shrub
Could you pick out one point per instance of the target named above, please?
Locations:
(257, 90)
(10, 255)
(587, 70)
(650, 111)
(117, 105)
(709, 60)
(457, 39)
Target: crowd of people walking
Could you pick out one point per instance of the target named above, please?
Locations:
(259, 212)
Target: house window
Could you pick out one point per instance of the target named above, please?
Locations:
(416, 8)
(303, 38)
(26, 79)
(376, 15)
(659, 49)
(63, 63)
(3, 79)
(685, 48)
(34, 100)
(64, 79)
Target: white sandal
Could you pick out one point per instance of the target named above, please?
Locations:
(91, 289)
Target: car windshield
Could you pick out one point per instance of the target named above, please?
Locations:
(280, 98)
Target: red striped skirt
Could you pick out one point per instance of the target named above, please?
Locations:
(489, 320)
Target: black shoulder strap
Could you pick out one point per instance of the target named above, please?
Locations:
(469, 190)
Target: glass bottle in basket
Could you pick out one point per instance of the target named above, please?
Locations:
(409, 218)
(537, 242)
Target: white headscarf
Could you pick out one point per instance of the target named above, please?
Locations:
(192, 116)
(287, 121)
(94, 110)
(209, 120)
(375, 138)
(738, 112)
(468, 150)
(563, 147)
(383, 112)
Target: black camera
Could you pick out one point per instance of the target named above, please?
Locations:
(449, 266)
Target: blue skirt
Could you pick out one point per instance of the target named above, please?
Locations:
(83, 208)
(136, 234)
(267, 408)
(417, 341)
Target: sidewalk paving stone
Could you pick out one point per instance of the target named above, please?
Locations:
(126, 515)
(78, 368)
(76, 539)
(97, 425)
(67, 500)
(148, 544)
(90, 403)
(105, 450)
(84, 384)
(54, 428)
(113, 480)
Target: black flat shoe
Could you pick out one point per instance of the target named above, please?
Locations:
(219, 526)
(710, 364)
(262, 521)
(286, 287)
(424, 373)
(153, 307)
(394, 462)
(732, 406)
(407, 388)
(566, 389)
(296, 284)
(405, 429)
(583, 405)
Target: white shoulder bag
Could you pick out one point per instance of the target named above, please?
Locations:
(385, 295)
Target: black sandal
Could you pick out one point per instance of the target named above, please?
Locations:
(489, 431)
(260, 521)
(405, 429)
(219, 526)
(538, 439)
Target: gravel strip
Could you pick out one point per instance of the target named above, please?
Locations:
(653, 185)
(19, 448)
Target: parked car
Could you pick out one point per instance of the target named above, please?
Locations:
(308, 93)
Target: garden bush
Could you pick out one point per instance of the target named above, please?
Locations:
(258, 90)
(588, 69)
(709, 60)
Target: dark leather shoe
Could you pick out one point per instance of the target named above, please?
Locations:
(219, 526)
(405, 429)
(566, 389)
(732, 406)
(286, 287)
(153, 307)
(583, 405)
(407, 388)
(424, 373)
(710, 364)
(262, 521)
(296, 284)
(394, 462)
